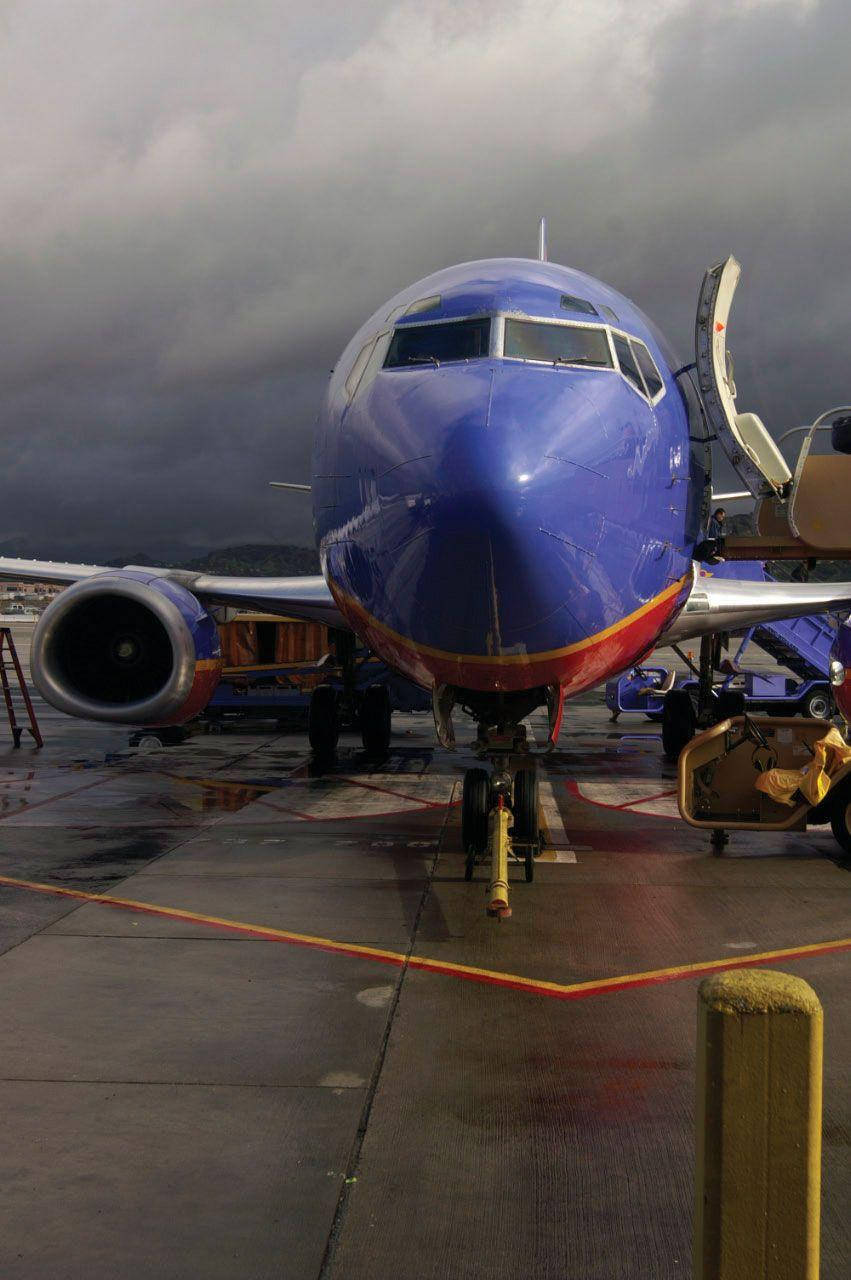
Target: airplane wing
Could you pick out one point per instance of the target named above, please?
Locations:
(719, 604)
(297, 597)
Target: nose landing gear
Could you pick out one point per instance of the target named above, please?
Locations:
(499, 822)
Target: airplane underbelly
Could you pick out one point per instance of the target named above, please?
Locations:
(576, 666)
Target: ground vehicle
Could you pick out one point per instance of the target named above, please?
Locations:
(643, 690)
(718, 773)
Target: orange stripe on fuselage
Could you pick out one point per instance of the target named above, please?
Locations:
(576, 666)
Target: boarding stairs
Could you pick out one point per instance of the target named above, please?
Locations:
(11, 673)
(801, 644)
(799, 515)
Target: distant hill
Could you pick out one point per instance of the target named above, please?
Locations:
(256, 560)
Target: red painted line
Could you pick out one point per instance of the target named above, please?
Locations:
(660, 795)
(26, 806)
(574, 790)
(401, 795)
(606, 985)
(466, 973)
(278, 808)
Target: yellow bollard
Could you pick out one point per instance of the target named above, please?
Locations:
(498, 820)
(758, 1172)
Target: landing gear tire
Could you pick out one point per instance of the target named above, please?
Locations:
(323, 720)
(526, 829)
(729, 703)
(475, 804)
(679, 721)
(840, 818)
(375, 716)
(816, 705)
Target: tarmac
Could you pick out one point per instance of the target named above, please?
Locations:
(292, 1044)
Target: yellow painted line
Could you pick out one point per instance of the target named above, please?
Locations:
(196, 917)
(511, 659)
(534, 986)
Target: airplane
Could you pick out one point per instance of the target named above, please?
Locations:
(510, 478)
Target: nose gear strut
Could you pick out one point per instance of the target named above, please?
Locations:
(499, 823)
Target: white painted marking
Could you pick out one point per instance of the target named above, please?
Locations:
(559, 841)
(342, 1080)
(375, 997)
(346, 797)
(559, 849)
(740, 946)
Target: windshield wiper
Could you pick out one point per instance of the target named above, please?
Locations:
(424, 360)
(578, 360)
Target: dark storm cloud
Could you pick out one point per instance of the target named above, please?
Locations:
(200, 202)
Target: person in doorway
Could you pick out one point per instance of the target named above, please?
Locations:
(711, 550)
(717, 530)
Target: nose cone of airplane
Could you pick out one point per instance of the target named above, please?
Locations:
(500, 538)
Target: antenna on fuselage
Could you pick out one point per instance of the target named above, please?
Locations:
(542, 240)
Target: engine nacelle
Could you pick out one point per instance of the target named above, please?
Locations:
(127, 647)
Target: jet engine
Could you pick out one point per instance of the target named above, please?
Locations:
(129, 648)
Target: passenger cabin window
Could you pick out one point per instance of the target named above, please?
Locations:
(556, 343)
(647, 366)
(626, 360)
(570, 303)
(436, 343)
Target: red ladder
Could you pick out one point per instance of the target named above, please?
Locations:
(6, 641)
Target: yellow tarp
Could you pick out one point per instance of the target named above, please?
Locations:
(830, 753)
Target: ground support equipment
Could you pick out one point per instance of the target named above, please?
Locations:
(9, 654)
(718, 769)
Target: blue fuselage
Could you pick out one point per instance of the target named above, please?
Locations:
(502, 521)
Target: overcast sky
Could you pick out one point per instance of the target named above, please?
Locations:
(200, 200)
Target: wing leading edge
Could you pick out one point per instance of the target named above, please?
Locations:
(298, 597)
(715, 604)
(719, 604)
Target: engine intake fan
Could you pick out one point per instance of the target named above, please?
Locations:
(127, 648)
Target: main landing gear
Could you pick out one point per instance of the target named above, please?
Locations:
(375, 716)
(331, 707)
(328, 710)
(323, 721)
(499, 822)
(683, 715)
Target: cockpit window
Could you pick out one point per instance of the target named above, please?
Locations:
(358, 367)
(556, 343)
(647, 366)
(423, 304)
(572, 303)
(435, 343)
(608, 313)
(626, 360)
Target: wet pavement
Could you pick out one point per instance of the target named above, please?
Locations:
(224, 1096)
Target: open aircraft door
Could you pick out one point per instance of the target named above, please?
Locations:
(753, 453)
